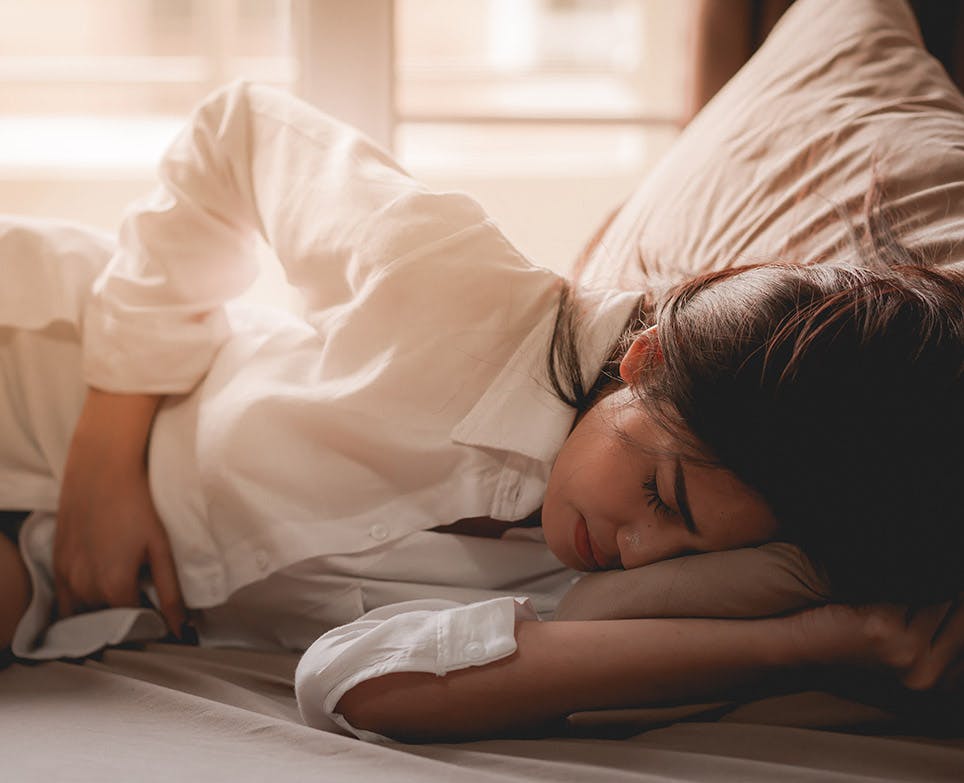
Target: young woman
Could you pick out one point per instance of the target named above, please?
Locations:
(437, 392)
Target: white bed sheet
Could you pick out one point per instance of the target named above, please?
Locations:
(170, 712)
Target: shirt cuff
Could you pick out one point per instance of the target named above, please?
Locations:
(414, 636)
(146, 353)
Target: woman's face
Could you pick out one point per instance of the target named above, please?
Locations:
(611, 504)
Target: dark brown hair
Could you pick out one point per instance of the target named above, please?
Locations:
(837, 393)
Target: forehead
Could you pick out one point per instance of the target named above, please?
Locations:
(643, 436)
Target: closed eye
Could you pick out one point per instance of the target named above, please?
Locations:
(653, 500)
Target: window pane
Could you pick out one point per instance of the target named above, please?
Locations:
(92, 91)
(136, 56)
(541, 58)
(548, 187)
(531, 149)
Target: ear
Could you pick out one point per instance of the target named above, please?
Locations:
(644, 350)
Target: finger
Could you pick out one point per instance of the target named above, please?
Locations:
(951, 611)
(927, 619)
(119, 589)
(86, 601)
(945, 645)
(75, 593)
(165, 581)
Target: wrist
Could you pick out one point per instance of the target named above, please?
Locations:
(115, 428)
(828, 635)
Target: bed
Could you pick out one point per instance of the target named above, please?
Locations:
(842, 90)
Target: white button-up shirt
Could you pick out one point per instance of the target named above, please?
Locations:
(411, 393)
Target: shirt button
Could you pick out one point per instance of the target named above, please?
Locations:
(379, 532)
(261, 559)
(474, 650)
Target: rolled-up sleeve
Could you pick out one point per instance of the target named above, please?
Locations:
(252, 164)
(432, 636)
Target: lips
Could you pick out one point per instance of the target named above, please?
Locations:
(584, 548)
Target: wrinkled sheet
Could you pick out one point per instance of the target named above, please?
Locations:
(171, 712)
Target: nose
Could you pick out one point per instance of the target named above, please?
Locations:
(644, 542)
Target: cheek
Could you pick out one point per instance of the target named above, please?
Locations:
(565, 477)
(559, 519)
(573, 488)
(592, 477)
(554, 503)
(551, 515)
(588, 461)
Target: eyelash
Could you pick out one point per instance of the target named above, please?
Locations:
(653, 500)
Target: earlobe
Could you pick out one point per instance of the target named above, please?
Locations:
(643, 351)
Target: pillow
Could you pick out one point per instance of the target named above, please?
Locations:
(839, 88)
(752, 582)
(757, 174)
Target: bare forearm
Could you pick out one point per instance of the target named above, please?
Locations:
(119, 424)
(565, 667)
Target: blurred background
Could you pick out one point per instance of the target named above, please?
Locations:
(549, 112)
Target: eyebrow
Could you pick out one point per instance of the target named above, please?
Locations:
(682, 500)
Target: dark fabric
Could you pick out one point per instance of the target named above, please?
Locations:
(942, 27)
(11, 522)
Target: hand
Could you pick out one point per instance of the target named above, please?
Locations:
(108, 530)
(923, 648)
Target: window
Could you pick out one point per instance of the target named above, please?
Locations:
(547, 111)
(107, 85)
(92, 91)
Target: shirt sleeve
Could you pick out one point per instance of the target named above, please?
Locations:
(252, 164)
(434, 635)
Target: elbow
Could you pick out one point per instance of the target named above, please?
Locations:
(395, 706)
(400, 706)
(365, 707)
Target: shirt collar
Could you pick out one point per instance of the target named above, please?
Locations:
(519, 411)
